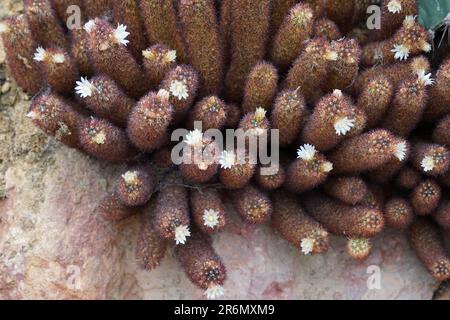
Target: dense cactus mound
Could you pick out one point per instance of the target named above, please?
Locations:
(362, 118)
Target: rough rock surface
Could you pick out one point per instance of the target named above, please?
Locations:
(53, 245)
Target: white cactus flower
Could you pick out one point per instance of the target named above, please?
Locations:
(181, 234)
(307, 245)
(121, 34)
(40, 54)
(394, 6)
(400, 151)
(210, 218)
(179, 89)
(343, 125)
(306, 152)
(88, 26)
(227, 159)
(427, 163)
(401, 52)
(84, 88)
(425, 79)
(214, 291)
(194, 138)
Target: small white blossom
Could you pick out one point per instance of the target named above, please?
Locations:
(425, 79)
(426, 47)
(394, 6)
(343, 125)
(32, 115)
(210, 218)
(214, 291)
(99, 138)
(179, 89)
(401, 52)
(130, 177)
(194, 138)
(327, 166)
(227, 159)
(306, 152)
(331, 55)
(40, 54)
(121, 34)
(171, 56)
(260, 114)
(337, 93)
(84, 88)
(181, 234)
(307, 245)
(163, 94)
(58, 58)
(88, 26)
(3, 27)
(409, 21)
(400, 151)
(427, 163)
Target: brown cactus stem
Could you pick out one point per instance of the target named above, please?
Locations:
(202, 265)
(250, 27)
(163, 31)
(341, 11)
(20, 47)
(208, 210)
(59, 69)
(110, 56)
(431, 159)
(80, 51)
(204, 48)
(44, 24)
(127, 12)
(236, 169)
(365, 152)
(441, 133)
(374, 198)
(56, 117)
(158, 60)
(182, 82)
(233, 115)
(102, 96)
(280, 8)
(252, 205)
(350, 190)
(103, 140)
(270, 178)
(225, 29)
(399, 213)
(296, 226)
(289, 41)
(326, 28)
(111, 208)
(136, 186)
(150, 248)
(341, 219)
(430, 248)
(442, 215)
(289, 114)
(260, 87)
(210, 111)
(425, 197)
(408, 178)
(439, 94)
(392, 16)
(97, 8)
(149, 120)
(359, 248)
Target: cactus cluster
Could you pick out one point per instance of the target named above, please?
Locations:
(362, 118)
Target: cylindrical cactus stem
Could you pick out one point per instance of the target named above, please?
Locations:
(225, 28)
(210, 111)
(160, 22)
(366, 152)
(236, 169)
(408, 105)
(112, 209)
(344, 69)
(344, 220)
(172, 219)
(136, 186)
(80, 51)
(150, 248)
(296, 226)
(375, 99)
(439, 94)
(127, 12)
(182, 82)
(203, 43)
(233, 115)
(408, 178)
(431, 159)
(308, 171)
(441, 133)
(255, 123)
(341, 11)
(392, 16)
(270, 178)
(350, 190)
(200, 158)
(399, 213)
(202, 265)
(310, 69)
(19, 47)
(359, 248)
(61, 6)
(58, 68)
(427, 241)
(425, 197)
(290, 38)
(249, 31)
(44, 24)
(149, 120)
(56, 117)
(208, 210)
(289, 114)
(334, 117)
(252, 205)
(319, 7)
(97, 8)
(102, 96)
(374, 198)
(260, 87)
(157, 61)
(280, 8)
(110, 56)
(326, 28)
(442, 215)
(103, 140)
